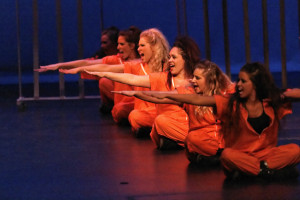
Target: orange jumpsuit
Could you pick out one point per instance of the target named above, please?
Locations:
(245, 153)
(204, 136)
(123, 105)
(171, 120)
(144, 112)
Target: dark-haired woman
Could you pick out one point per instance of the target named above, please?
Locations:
(250, 121)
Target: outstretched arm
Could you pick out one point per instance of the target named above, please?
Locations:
(143, 96)
(95, 68)
(126, 78)
(68, 65)
(194, 99)
(293, 94)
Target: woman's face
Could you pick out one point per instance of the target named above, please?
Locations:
(124, 48)
(176, 61)
(245, 86)
(199, 81)
(145, 50)
(107, 45)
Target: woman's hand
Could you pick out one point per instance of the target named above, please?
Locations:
(292, 93)
(48, 68)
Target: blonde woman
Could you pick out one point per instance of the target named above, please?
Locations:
(170, 126)
(153, 50)
(204, 143)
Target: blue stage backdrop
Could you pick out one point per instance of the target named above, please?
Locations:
(146, 14)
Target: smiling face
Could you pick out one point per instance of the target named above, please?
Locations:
(245, 86)
(125, 49)
(145, 50)
(176, 61)
(199, 81)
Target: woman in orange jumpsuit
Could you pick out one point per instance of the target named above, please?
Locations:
(119, 105)
(127, 47)
(153, 50)
(204, 143)
(170, 126)
(250, 120)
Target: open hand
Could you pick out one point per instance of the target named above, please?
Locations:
(47, 68)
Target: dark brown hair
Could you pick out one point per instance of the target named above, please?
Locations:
(132, 35)
(265, 89)
(190, 53)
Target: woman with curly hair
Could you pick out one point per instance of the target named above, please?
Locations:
(250, 121)
(204, 143)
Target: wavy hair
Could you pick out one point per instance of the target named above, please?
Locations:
(190, 53)
(160, 48)
(216, 82)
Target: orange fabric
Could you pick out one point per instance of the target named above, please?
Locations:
(121, 110)
(136, 69)
(250, 148)
(111, 60)
(277, 158)
(123, 105)
(172, 120)
(139, 118)
(158, 82)
(173, 125)
(144, 112)
(85, 75)
(116, 59)
(204, 135)
(250, 141)
(105, 87)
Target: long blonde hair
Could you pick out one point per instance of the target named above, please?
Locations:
(160, 48)
(216, 82)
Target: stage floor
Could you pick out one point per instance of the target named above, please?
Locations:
(68, 150)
